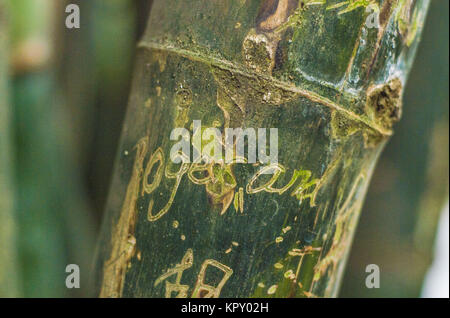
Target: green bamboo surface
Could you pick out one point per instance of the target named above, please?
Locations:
(330, 84)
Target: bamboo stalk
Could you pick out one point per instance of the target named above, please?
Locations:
(332, 87)
(410, 184)
(54, 226)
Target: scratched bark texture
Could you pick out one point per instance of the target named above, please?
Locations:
(327, 79)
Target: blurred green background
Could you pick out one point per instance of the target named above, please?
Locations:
(63, 96)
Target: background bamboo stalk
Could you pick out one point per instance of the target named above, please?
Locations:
(54, 226)
(410, 184)
(94, 71)
(9, 278)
